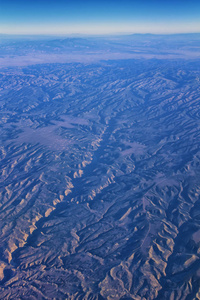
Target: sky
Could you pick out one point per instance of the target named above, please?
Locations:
(99, 16)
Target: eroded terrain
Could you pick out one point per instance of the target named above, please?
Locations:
(100, 180)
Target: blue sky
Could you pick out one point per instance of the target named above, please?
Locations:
(100, 17)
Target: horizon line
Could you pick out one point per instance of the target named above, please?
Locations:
(98, 34)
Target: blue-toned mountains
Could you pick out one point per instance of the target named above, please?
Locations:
(100, 180)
